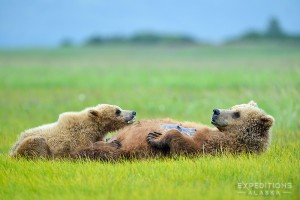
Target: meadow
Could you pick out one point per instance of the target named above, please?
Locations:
(184, 83)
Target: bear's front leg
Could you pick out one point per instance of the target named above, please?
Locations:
(174, 140)
(33, 147)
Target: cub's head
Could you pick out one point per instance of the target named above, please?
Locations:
(111, 117)
(243, 119)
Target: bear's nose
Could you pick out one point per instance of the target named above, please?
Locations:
(216, 111)
(134, 113)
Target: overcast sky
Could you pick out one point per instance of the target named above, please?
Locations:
(29, 23)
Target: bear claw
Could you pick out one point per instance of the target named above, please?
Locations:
(151, 136)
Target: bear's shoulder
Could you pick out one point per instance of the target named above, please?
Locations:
(71, 117)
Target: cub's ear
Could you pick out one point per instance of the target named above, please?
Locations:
(253, 103)
(93, 113)
(267, 120)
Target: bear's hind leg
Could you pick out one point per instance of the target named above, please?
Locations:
(32, 147)
(105, 151)
(174, 140)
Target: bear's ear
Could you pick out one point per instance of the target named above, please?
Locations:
(93, 113)
(267, 120)
(253, 103)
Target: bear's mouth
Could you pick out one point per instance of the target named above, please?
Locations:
(217, 124)
(131, 120)
(213, 122)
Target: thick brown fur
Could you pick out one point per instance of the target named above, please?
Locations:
(72, 130)
(242, 128)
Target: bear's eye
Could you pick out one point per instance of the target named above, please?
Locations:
(118, 112)
(236, 115)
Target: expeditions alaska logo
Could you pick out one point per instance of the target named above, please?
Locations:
(264, 189)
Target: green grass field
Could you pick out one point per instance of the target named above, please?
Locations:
(184, 83)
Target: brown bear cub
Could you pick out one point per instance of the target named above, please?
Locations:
(242, 128)
(73, 130)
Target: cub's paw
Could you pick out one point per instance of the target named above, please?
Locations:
(116, 144)
(152, 137)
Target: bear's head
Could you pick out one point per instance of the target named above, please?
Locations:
(246, 126)
(111, 117)
(244, 118)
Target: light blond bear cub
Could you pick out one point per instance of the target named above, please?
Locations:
(72, 130)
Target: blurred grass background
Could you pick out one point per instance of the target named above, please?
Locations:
(183, 83)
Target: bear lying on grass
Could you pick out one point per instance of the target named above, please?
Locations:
(73, 130)
(242, 128)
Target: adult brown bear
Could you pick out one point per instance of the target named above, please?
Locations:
(242, 128)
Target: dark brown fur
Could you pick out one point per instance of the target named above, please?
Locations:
(101, 150)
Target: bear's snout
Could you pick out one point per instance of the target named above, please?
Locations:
(216, 111)
(130, 117)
